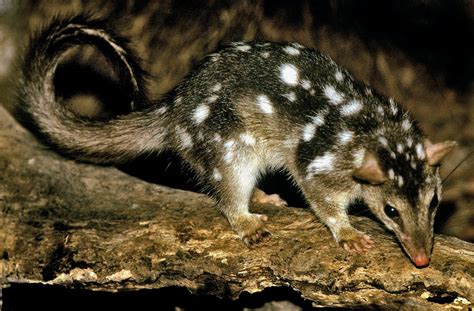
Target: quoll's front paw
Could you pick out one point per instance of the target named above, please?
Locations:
(251, 228)
(354, 241)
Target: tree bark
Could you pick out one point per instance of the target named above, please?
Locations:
(78, 225)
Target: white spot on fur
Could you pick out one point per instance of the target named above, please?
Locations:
(200, 113)
(338, 76)
(332, 220)
(306, 84)
(185, 139)
(380, 110)
(413, 165)
(391, 174)
(265, 54)
(247, 139)
(400, 181)
(214, 57)
(216, 88)
(291, 51)
(393, 107)
(383, 141)
(368, 91)
(290, 96)
(321, 164)
(420, 152)
(161, 110)
(399, 148)
(217, 138)
(216, 174)
(406, 124)
(318, 120)
(393, 155)
(243, 48)
(200, 135)
(409, 142)
(289, 74)
(212, 98)
(178, 100)
(345, 137)
(297, 45)
(358, 157)
(229, 144)
(265, 104)
(334, 96)
(308, 131)
(353, 107)
(229, 151)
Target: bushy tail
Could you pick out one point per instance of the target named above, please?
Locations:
(110, 141)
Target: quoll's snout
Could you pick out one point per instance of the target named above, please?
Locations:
(421, 260)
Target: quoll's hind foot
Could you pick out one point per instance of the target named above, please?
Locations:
(354, 241)
(259, 236)
(261, 197)
(251, 228)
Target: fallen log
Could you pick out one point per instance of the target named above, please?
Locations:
(79, 226)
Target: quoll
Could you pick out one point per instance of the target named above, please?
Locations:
(247, 109)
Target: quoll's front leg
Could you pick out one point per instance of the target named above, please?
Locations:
(332, 210)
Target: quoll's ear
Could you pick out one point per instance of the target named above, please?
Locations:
(435, 153)
(370, 170)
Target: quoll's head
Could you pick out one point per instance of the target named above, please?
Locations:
(404, 191)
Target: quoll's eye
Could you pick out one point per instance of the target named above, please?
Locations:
(434, 202)
(391, 212)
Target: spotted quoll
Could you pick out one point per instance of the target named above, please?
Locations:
(247, 109)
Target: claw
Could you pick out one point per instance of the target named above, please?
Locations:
(356, 242)
(251, 229)
(347, 247)
(259, 236)
(265, 234)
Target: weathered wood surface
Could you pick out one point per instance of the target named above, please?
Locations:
(79, 225)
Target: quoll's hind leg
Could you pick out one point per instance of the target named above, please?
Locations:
(234, 185)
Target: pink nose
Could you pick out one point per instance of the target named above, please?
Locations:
(421, 260)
